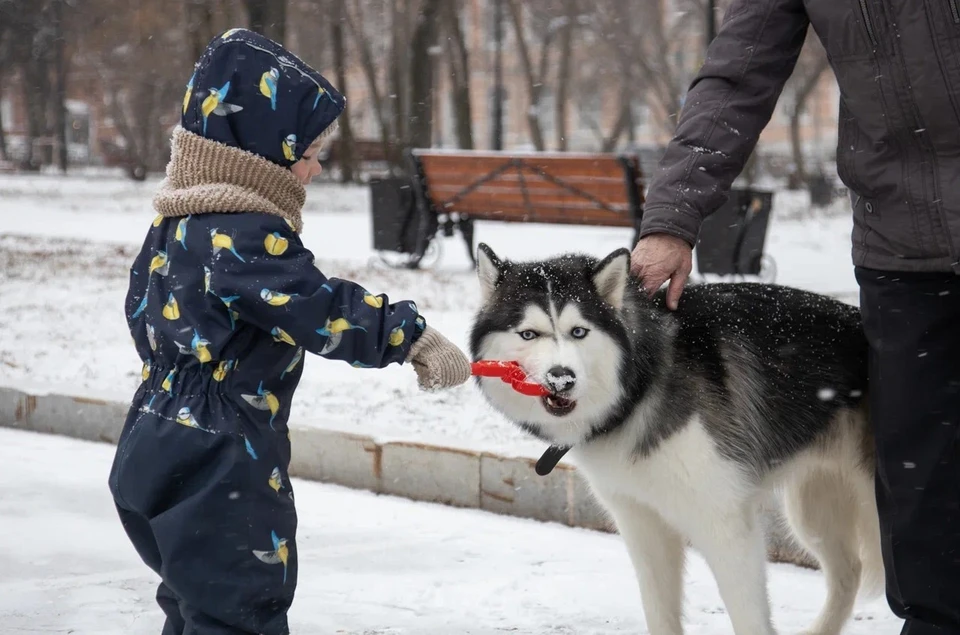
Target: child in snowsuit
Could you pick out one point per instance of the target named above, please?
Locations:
(224, 302)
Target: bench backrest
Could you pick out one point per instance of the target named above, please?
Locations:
(562, 188)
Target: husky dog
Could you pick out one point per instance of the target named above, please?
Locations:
(682, 421)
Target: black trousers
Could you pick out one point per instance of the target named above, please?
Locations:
(912, 322)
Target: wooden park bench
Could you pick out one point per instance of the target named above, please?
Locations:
(453, 189)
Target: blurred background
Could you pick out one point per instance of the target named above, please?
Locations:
(90, 91)
(96, 82)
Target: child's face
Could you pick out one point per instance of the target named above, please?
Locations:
(308, 166)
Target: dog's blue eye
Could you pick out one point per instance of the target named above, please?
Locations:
(528, 335)
(579, 332)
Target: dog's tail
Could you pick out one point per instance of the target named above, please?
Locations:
(872, 576)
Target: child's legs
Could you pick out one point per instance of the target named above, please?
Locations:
(141, 535)
(229, 575)
(213, 512)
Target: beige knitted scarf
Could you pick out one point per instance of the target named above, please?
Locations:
(206, 176)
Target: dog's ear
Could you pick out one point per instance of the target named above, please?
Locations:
(489, 270)
(610, 277)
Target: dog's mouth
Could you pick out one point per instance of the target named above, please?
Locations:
(558, 406)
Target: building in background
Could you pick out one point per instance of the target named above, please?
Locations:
(595, 89)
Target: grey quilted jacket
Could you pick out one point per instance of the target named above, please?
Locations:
(898, 66)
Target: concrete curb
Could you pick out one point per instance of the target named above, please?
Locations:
(458, 477)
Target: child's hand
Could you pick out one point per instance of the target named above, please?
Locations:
(438, 362)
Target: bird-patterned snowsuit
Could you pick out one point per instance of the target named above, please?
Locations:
(224, 303)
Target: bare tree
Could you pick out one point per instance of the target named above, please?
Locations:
(198, 19)
(269, 17)
(117, 49)
(347, 160)
(652, 53)
(459, 61)
(570, 14)
(5, 57)
(421, 77)
(534, 77)
(354, 15)
(60, 67)
(400, 65)
(3, 136)
(35, 69)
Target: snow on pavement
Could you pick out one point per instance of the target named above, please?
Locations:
(62, 329)
(370, 565)
(66, 244)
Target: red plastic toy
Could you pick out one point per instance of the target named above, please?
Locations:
(510, 373)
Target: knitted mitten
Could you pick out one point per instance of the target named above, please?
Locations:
(438, 362)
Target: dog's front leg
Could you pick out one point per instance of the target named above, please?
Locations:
(733, 545)
(657, 553)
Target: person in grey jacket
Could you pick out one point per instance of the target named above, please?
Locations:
(897, 63)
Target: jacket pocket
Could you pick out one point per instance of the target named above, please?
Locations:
(847, 146)
(866, 215)
(852, 29)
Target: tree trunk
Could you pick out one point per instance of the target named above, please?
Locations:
(269, 17)
(60, 103)
(621, 125)
(347, 160)
(3, 137)
(802, 95)
(135, 161)
(36, 98)
(6, 53)
(200, 29)
(563, 73)
(624, 114)
(460, 73)
(421, 74)
(646, 59)
(534, 86)
(399, 57)
(362, 43)
(496, 132)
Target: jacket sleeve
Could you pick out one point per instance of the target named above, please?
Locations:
(727, 106)
(278, 288)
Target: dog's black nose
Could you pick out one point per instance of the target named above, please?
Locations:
(560, 379)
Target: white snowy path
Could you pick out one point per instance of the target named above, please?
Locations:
(369, 565)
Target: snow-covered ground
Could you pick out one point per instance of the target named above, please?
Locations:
(66, 244)
(369, 565)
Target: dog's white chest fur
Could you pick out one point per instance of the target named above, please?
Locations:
(684, 479)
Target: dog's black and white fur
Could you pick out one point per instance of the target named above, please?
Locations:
(683, 421)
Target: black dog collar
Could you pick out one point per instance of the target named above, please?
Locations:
(550, 459)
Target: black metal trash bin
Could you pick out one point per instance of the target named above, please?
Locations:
(821, 190)
(397, 224)
(732, 238)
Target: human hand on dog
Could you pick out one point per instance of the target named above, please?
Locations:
(438, 362)
(661, 257)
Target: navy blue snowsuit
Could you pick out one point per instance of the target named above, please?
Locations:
(223, 308)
